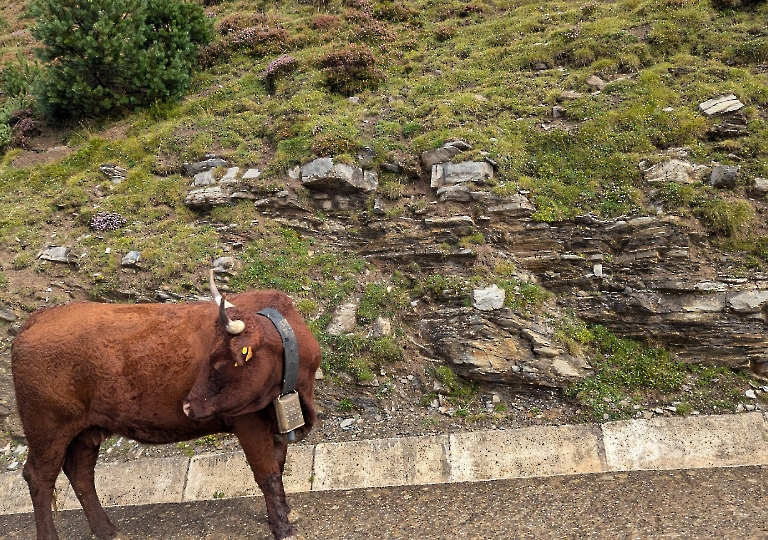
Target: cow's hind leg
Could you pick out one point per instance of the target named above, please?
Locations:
(79, 464)
(266, 461)
(43, 466)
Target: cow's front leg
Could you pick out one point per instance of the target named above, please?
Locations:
(255, 435)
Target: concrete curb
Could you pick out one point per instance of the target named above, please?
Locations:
(540, 451)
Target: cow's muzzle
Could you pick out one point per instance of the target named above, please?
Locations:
(196, 409)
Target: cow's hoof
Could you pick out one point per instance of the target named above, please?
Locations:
(294, 516)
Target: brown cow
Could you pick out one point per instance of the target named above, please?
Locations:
(155, 373)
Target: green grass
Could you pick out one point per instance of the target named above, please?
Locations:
(357, 355)
(422, 72)
(628, 374)
(458, 391)
(593, 169)
(568, 173)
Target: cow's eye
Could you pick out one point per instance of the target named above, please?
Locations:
(219, 364)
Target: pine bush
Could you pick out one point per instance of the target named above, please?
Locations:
(101, 56)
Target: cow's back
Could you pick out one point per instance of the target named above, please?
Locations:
(111, 365)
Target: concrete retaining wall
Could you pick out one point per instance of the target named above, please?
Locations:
(659, 443)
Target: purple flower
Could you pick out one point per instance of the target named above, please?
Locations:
(107, 221)
(282, 64)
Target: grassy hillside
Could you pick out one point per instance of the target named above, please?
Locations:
(286, 82)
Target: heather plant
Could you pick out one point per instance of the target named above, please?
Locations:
(259, 40)
(350, 69)
(283, 65)
(107, 221)
(24, 125)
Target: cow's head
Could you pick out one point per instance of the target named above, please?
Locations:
(242, 371)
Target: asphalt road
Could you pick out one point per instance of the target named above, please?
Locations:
(723, 503)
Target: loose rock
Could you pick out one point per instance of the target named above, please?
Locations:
(720, 105)
(724, 176)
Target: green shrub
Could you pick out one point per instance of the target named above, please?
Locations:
(279, 67)
(380, 300)
(622, 368)
(104, 55)
(751, 51)
(357, 355)
(676, 196)
(725, 217)
(457, 391)
(734, 4)
(16, 78)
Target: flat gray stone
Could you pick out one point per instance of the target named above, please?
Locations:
(132, 258)
(451, 221)
(457, 193)
(209, 163)
(720, 105)
(319, 168)
(444, 154)
(206, 197)
(593, 81)
(344, 319)
(515, 206)
(444, 174)
(230, 176)
(324, 174)
(114, 172)
(748, 301)
(56, 254)
(675, 170)
(382, 327)
(760, 186)
(205, 178)
(568, 95)
(223, 265)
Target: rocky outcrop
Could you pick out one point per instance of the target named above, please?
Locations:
(331, 186)
(499, 347)
(324, 175)
(673, 166)
(654, 278)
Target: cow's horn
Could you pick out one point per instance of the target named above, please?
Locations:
(215, 292)
(233, 327)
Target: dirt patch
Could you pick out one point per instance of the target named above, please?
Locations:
(49, 137)
(30, 157)
(116, 133)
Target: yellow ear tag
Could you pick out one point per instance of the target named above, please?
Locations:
(235, 364)
(250, 353)
(245, 350)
